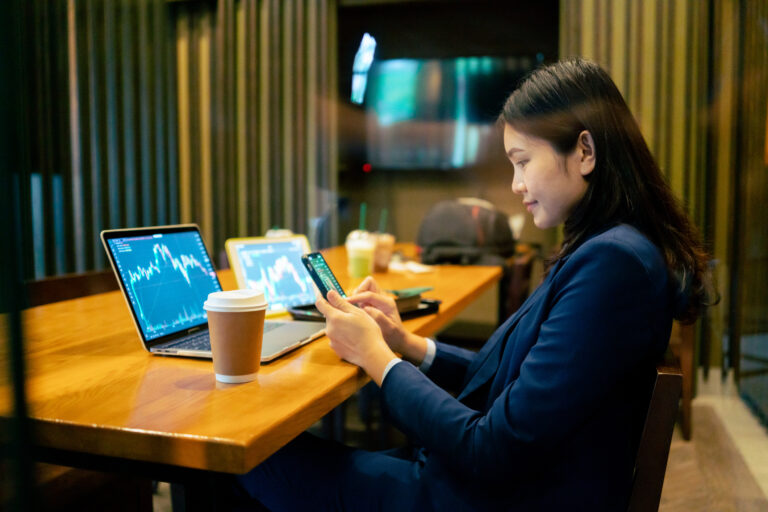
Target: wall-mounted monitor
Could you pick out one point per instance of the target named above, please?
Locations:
(437, 114)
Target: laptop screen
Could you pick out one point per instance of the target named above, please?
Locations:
(275, 266)
(167, 278)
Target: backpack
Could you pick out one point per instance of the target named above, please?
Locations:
(465, 232)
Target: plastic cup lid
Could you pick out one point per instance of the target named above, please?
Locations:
(236, 300)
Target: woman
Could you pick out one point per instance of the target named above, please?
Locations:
(547, 416)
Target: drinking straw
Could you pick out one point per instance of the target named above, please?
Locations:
(383, 221)
(362, 216)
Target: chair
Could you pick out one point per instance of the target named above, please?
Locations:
(653, 450)
(69, 286)
(682, 343)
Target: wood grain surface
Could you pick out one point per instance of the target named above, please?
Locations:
(92, 388)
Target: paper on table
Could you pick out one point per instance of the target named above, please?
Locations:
(409, 266)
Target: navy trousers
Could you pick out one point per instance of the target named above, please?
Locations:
(314, 474)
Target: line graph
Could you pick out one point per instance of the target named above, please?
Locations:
(276, 268)
(167, 280)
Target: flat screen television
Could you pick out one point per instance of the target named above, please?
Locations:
(437, 114)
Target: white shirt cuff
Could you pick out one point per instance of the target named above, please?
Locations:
(429, 357)
(389, 366)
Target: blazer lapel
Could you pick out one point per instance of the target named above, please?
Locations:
(488, 362)
(485, 365)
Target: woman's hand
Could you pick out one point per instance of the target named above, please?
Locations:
(355, 336)
(382, 308)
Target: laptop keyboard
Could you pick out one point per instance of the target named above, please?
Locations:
(202, 341)
(197, 341)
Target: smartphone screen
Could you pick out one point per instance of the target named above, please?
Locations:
(321, 274)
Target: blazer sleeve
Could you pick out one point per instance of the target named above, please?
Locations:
(449, 366)
(597, 329)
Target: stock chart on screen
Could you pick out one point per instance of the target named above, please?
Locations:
(276, 268)
(167, 278)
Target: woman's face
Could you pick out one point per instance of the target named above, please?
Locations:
(551, 184)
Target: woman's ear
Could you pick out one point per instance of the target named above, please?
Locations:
(585, 148)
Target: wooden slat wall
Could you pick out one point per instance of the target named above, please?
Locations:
(695, 75)
(751, 227)
(752, 145)
(658, 52)
(99, 143)
(256, 86)
(642, 44)
(151, 112)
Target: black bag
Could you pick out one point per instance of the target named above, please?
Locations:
(465, 233)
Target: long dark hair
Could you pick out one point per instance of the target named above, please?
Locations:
(556, 103)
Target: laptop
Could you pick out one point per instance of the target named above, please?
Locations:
(274, 265)
(165, 275)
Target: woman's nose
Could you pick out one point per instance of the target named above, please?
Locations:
(518, 187)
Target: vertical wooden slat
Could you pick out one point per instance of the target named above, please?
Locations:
(66, 206)
(310, 129)
(648, 73)
(678, 93)
(184, 121)
(287, 113)
(242, 127)
(265, 127)
(564, 44)
(159, 121)
(108, 175)
(232, 125)
(618, 44)
(88, 108)
(43, 238)
(300, 191)
(275, 170)
(219, 119)
(95, 137)
(634, 47)
(204, 108)
(24, 61)
(588, 29)
(331, 99)
(144, 100)
(172, 134)
(609, 28)
(253, 121)
(662, 108)
(127, 204)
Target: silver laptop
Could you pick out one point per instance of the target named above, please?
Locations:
(165, 275)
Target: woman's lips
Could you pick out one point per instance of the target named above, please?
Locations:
(529, 205)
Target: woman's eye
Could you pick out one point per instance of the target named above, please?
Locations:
(521, 163)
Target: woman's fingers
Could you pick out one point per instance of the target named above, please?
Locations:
(371, 299)
(323, 307)
(339, 303)
(369, 284)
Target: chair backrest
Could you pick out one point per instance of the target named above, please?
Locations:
(69, 286)
(653, 451)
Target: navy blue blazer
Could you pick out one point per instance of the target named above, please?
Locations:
(548, 415)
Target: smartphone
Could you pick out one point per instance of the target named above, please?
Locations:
(321, 274)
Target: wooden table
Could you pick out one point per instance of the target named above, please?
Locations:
(94, 394)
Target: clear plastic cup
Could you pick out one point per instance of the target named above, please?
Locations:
(385, 245)
(360, 246)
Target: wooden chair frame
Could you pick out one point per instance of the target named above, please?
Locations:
(653, 450)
